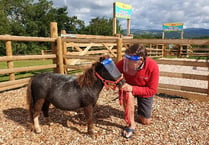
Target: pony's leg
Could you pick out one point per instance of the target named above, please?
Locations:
(37, 109)
(45, 110)
(89, 117)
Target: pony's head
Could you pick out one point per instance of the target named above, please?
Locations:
(108, 72)
(105, 70)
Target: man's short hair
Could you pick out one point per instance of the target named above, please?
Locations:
(137, 49)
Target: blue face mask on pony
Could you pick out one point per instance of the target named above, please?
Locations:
(111, 68)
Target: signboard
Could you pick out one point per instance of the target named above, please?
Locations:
(123, 10)
(170, 27)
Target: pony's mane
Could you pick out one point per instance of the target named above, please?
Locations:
(88, 77)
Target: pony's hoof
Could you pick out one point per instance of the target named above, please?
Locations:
(50, 123)
(91, 133)
(69, 124)
(38, 131)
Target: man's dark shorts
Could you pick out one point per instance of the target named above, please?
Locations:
(145, 106)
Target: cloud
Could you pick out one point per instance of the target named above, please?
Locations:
(146, 14)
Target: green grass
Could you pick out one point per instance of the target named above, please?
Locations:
(199, 57)
(3, 65)
(25, 63)
(74, 72)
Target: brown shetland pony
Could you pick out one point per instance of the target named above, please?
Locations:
(66, 93)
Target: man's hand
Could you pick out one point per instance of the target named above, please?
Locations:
(126, 87)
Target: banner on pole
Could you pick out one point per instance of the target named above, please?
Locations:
(123, 10)
(171, 27)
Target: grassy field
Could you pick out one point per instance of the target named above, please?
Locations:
(3, 65)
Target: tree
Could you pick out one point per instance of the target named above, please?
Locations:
(75, 25)
(100, 26)
(4, 23)
(29, 18)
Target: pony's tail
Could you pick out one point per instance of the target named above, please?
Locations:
(29, 98)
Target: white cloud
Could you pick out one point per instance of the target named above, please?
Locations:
(146, 14)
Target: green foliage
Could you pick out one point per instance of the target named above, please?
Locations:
(2, 49)
(4, 22)
(74, 25)
(101, 26)
(29, 18)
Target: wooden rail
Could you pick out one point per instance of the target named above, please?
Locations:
(169, 41)
(13, 84)
(24, 38)
(25, 69)
(183, 63)
(27, 57)
(184, 75)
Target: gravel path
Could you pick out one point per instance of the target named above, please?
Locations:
(176, 121)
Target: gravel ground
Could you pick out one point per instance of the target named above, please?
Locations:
(176, 121)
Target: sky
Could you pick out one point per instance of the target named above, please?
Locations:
(146, 14)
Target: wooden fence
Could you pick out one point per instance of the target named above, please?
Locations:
(194, 91)
(10, 58)
(76, 51)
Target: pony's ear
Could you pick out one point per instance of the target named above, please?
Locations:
(104, 57)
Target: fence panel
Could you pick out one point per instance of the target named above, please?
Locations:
(9, 59)
(194, 91)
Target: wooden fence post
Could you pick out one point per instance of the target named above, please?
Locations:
(119, 48)
(54, 34)
(150, 49)
(163, 51)
(59, 53)
(181, 51)
(42, 52)
(163, 35)
(10, 64)
(114, 22)
(64, 50)
(128, 27)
